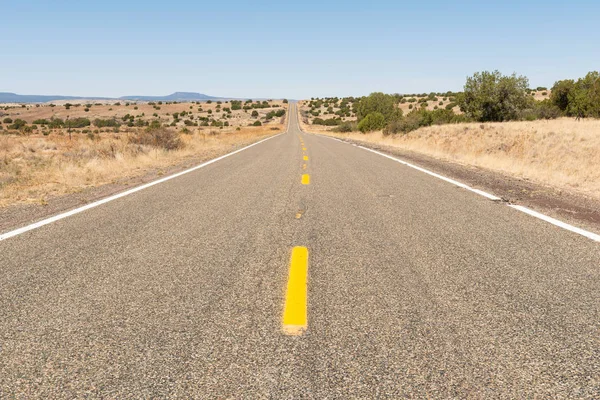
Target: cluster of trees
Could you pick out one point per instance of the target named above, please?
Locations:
(579, 98)
(487, 97)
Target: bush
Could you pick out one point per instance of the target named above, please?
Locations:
(584, 97)
(346, 127)
(254, 114)
(41, 122)
(450, 106)
(545, 109)
(158, 137)
(18, 124)
(257, 123)
(422, 117)
(560, 94)
(7, 120)
(56, 123)
(77, 123)
(378, 102)
(491, 96)
(327, 122)
(372, 122)
(103, 123)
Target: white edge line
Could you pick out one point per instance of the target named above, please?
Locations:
(530, 212)
(58, 217)
(452, 181)
(556, 222)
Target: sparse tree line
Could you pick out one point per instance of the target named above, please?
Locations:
(487, 97)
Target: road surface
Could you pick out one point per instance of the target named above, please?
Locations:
(414, 288)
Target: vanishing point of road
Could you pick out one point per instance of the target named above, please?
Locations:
(301, 267)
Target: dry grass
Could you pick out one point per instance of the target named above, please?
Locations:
(36, 167)
(563, 153)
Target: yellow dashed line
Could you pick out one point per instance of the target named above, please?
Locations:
(305, 158)
(305, 179)
(303, 166)
(294, 312)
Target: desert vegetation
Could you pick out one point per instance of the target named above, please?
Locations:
(47, 150)
(487, 97)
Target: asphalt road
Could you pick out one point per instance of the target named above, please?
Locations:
(416, 288)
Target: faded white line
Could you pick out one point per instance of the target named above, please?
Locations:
(452, 181)
(58, 217)
(556, 222)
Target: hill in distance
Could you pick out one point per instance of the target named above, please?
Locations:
(6, 97)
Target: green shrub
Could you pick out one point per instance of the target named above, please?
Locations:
(378, 102)
(491, 96)
(372, 122)
(545, 109)
(7, 120)
(257, 123)
(56, 123)
(422, 117)
(103, 123)
(327, 122)
(345, 127)
(560, 94)
(254, 114)
(77, 123)
(18, 124)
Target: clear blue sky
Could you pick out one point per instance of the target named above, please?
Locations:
(294, 49)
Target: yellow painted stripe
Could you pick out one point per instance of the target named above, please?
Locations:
(305, 179)
(303, 166)
(294, 312)
(305, 158)
(304, 148)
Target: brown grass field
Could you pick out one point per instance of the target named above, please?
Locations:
(36, 167)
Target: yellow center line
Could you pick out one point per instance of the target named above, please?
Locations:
(305, 158)
(304, 148)
(304, 166)
(305, 179)
(294, 311)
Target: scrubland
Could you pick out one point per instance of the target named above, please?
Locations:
(48, 162)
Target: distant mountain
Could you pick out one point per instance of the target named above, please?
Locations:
(177, 96)
(6, 97)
